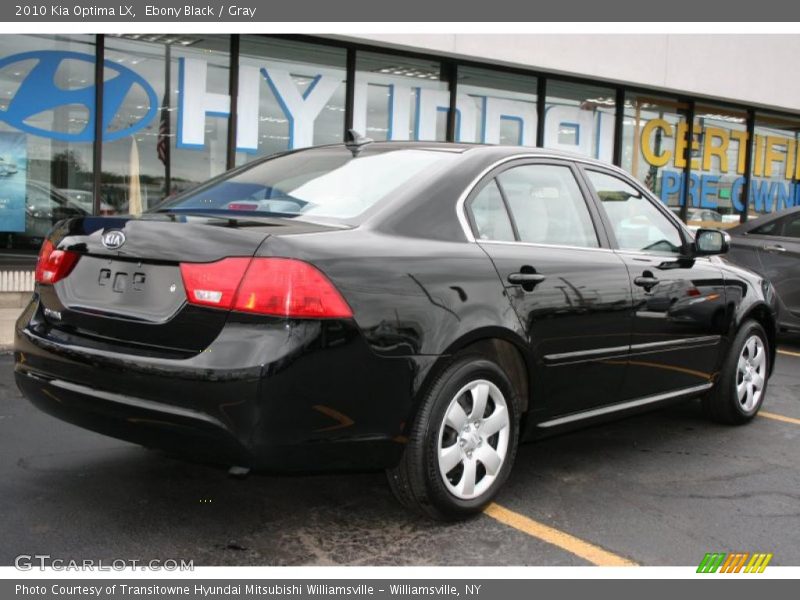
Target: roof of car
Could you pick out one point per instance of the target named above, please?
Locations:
(492, 151)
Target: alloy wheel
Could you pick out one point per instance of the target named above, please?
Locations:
(751, 373)
(473, 439)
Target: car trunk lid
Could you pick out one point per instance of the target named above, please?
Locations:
(127, 287)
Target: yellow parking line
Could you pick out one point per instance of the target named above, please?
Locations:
(777, 417)
(563, 540)
(789, 353)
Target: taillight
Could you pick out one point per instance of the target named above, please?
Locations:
(271, 286)
(53, 265)
(213, 284)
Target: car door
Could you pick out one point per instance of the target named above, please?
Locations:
(678, 302)
(571, 292)
(779, 255)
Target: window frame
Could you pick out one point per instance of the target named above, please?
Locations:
(478, 190)
(687, 240)
(603, 241)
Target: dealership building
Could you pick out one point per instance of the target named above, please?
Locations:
(706, 122)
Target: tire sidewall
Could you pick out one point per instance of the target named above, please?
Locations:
(457, 376)
(729, 389)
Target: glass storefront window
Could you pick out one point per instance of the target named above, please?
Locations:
(500, 107)
(133, 176)
(158, 139)
(46, 134)
(775, 169)
(580, 118)
(653, 143)
(717, 169)
(166, 110)
(198, 109)
(398, 98)
(291, 95)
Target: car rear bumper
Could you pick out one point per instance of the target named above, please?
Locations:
(267, 393)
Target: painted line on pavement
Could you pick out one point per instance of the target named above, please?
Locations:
(551, 535)
(777, 417)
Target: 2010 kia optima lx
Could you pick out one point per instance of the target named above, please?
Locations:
(417, 307)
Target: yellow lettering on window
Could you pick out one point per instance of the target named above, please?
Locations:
(710, 149)
(649, 153)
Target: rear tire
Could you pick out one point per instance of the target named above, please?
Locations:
(742, 385)
(462, 444)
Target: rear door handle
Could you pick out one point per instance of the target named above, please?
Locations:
(523, 278)
(647, 282)
(528, 279)
(774, 248)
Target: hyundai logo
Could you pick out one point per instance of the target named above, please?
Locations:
(113, 239)
(41, 91)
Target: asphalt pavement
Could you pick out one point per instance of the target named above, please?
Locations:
(657, 489)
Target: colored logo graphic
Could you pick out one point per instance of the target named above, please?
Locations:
(39, 92)
(736, 562)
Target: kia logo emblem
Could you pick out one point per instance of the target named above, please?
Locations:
(113, 239)
(40, 92)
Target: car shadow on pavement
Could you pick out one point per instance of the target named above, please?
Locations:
(124, 501)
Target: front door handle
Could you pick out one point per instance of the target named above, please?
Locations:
(774, 248)
(648, 282)
(523, 278)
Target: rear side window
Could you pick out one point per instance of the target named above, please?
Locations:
(489, 215)
(638, 224)
(326, 182)
(547, 206)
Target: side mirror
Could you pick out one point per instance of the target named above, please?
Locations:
(708, 242)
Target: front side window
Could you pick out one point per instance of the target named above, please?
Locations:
(638, 225)
(771, 228)
(785, 227)
(327, 182)
(792, 227)
(547, 206)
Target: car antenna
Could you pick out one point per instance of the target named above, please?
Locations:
(355, 141)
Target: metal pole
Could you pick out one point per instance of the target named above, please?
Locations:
(97, 150)
(233, 93)
(687, 169)
(541, 95)
(350, 93)
(165, 120)
(450, 74)
(748, 165)
(619, 118)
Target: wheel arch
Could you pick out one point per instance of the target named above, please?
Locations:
(765, 316)
(500, 345)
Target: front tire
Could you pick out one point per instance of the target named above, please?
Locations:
(462, 445)
(742, 386)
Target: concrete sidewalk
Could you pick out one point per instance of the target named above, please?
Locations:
(11, 306)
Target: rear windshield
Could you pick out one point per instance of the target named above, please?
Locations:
(326, 182)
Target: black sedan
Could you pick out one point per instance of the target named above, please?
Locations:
(770, 245)
(414, 307)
